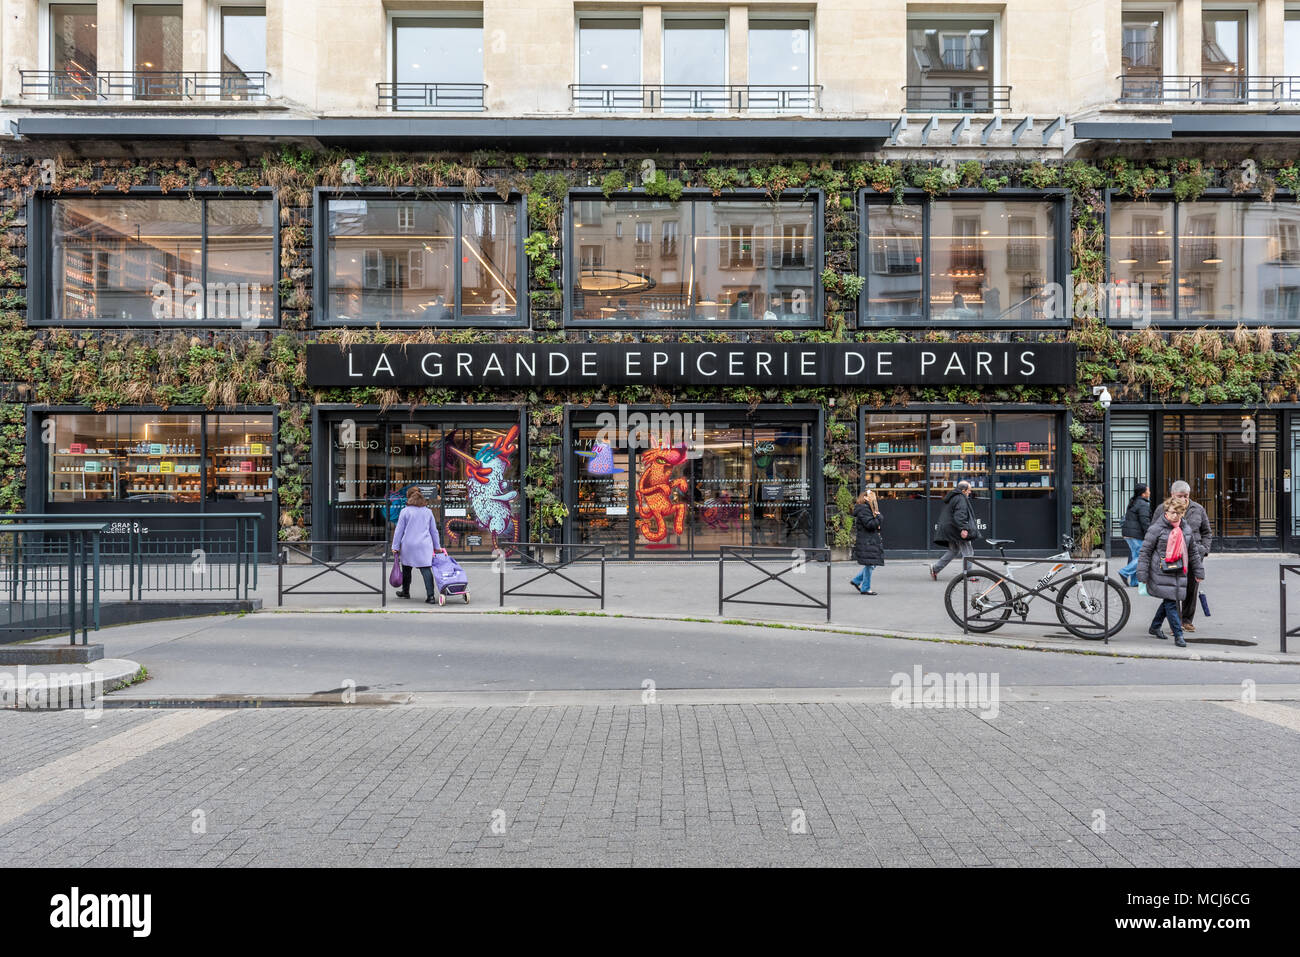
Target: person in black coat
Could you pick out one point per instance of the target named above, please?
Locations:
(957, 531)
(1137, 518)
(868, 543)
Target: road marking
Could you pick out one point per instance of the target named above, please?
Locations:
(1278, 714)
(44, 784)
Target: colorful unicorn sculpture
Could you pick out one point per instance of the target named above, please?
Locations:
(485, 484)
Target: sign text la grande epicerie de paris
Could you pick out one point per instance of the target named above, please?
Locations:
(481, 365)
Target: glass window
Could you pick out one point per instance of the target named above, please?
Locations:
(133, 260)
(1224, 64)
(74, 56)
(1024, 460)
(428, 262)
(701, 260)
(894, 465)
(1142, 54)
(126, 458)
(240, 458)
(991, 260)
(780, 56)
(950, 64)
(1141, 255)
(894, 243)
(1291, 43)
(695, 65)
(243, 50)
(609, 64)
(159, 48)
(442, 50)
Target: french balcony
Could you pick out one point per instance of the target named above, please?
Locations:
(956, 98)
(117, 85)
(687, 98)
(432, 97)
(1209, 89)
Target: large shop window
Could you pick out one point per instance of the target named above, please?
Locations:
(421, 262)
(968, 261)
(468, 471)
(697, 261)
(913, 460)
(158, 261)
(727, 482)
(1216, 262)
(144, 458)
(1232, 462)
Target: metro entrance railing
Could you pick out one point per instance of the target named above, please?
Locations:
(49, 573)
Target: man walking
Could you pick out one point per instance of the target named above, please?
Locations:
(956, 530)
(1202, 537)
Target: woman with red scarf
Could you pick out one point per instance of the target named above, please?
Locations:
(1168, 561)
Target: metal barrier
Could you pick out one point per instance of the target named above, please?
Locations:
(525, 554)
(794, 561)
(695, 98)
(308, 550)
(1006, 595)
(229, 85)
(1283, 631)
(206, 552)
(458, 97)
(50, 576)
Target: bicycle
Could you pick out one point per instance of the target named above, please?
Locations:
(1080, 598)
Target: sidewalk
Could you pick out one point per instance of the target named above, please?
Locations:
(1242, 591)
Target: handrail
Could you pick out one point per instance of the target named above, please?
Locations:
(224, 85)
(29, 575)
(971, 97)
(794, 561)
(457, 97)
(696, 97)
(1208, 88)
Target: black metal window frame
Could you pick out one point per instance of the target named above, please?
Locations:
(1167, 197)
(320, 292)
(37, 493)
(816, 319)
(40, 209)
(868, 198)
(932, 411)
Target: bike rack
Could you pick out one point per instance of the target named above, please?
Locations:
(526, 558)
(1077, 568)
(1283, 632)
(793, 561)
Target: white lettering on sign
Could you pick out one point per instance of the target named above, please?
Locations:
(928, 359)
(884, 363)
(850, 368)
(763, 363)
(954, 363)
(424, 364)
(806, 360)
(463, 359)
(383, 365)
(632, 364)
(699, 366)
(589, 363)
(982, 362)
(1027, 366)
(526, 363)
(563, 369)
(494, 364)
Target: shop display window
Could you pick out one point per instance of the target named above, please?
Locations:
(241, 457)
(141, 458)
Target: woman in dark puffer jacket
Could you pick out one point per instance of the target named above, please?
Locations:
(868, 543)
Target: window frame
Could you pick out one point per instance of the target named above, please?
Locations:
(1167, 196)
(216, 36)
(956, 16)
(321, 196)
(631, 17)
(1169, 26)
(816, 320)
(702, 16)
(767, 17)
(1060, 265)
(429, 17)
(40, 210)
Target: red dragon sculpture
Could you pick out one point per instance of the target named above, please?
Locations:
(654, 492)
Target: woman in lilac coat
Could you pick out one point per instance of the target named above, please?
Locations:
(414, 542)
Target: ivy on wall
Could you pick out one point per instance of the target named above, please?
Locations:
(110, 369)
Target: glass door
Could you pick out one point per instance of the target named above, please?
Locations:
(721, 479)
(601, 499)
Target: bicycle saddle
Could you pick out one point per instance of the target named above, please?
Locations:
(999, 542)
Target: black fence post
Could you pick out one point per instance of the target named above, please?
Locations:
(1281, 584)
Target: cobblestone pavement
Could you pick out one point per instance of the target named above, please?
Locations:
(1162, 783)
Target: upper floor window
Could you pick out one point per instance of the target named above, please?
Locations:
(421, 262)
(951, 65)
(609, 64)
(158, 261)
(156, 50)
(973, 261)
(1208, 262)
(1225, 60)
(695, 65)
(739, 260)
(243, 50)
(1142, 53)
(780, 66)
(1291, 42)
(73, 54)
(437, 64)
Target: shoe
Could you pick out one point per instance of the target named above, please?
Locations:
(1179, 642)
(870, 593)
(403, 594)
(433, 601)
(934, 575)
(1156, 633)
(1188, 626)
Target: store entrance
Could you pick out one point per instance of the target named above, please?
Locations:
(728, 483)
(1231, 462)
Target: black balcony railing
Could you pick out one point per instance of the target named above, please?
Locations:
(949, 98)
(685, 98)
(233, 86)
(1209, 89)
(440, 97)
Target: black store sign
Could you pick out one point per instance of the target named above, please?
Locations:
(694, 364)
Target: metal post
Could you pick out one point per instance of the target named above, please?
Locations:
(72, 593)
(85, 616)
(828, 589)
(965, 593)
(602, 578)
(722, 558)
(279, 582)
(501, 582)
(95, 539)
(383, 584)
(1281, 585)
(1105, 585)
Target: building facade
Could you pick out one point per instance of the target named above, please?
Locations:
(661, 277)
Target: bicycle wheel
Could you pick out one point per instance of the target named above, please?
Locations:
(1087, 611)
(982, 592)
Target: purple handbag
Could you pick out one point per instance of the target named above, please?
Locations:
(395, 576)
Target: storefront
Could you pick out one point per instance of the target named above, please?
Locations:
(1012, 460)
(150, 462)
(466, 461)
(682, 482)
(1232, 458)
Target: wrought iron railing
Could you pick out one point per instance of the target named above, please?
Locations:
(956, 98)
(226, 85)
(693, 98)
(441, 97)
(1209, 89)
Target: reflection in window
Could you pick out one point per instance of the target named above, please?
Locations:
(780, 55)
(1141, 254)
(894, 254)
(1142, 54)
(950, 64)
(609, 64)
(428, 261)
(159, 51)
(74, 39)
(725, 260)
(438, 50)
(130, 260)
(1291, 43)
(243, 47)
(695, 65)
(991, 260)
(1224, 63)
